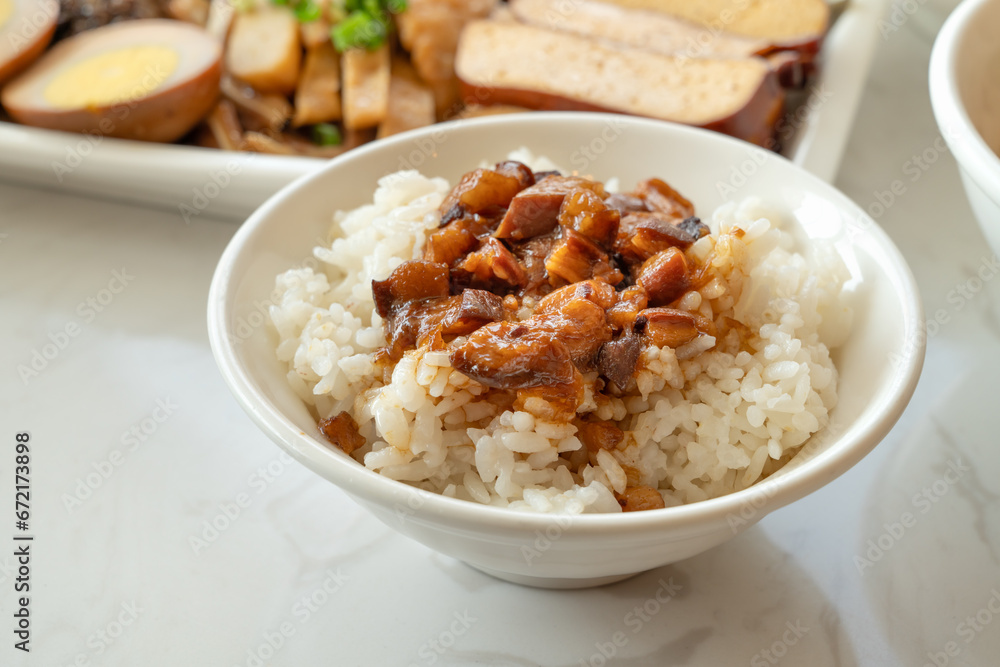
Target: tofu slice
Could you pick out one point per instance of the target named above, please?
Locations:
(264, 49)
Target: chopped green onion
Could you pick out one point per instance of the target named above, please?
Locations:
(359, 29)
(326, 134)
(307, 11)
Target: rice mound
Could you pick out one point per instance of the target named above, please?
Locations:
(703, 420)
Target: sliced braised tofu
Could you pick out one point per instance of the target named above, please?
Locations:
(366, 87)
(778, 21)
(317, 98)
(411, 103)
(264, 49)
(502, 62)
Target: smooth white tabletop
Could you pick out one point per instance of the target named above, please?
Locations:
(137, 449)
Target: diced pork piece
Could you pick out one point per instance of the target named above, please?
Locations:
(579, 324)
(366, 87)
(424, 322)
(491, 267)
(342, 431)
(410, 281)
(575, 258)
(630, 301)
(518, 170)
(554, 403)
(640, 498)
(532, 254)
(535, 210)
(625, 204)
(470, 310)
(599, 435)
(477, 192)
(662, 198)
(587, 213)
(616, 359)
(510, 355)
(449, 243)
(642, 235)
(666, 327)
(596, 291)
(695, 227)
(664, 276)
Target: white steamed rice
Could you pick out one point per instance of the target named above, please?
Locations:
(704, 420)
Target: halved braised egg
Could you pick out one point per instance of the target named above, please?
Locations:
(26, 28)
(151, 80)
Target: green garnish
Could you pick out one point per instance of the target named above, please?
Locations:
(305, 11)
(326, 134)
(367, 24)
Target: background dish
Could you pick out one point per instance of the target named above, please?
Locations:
(194, 181)
(965, 93)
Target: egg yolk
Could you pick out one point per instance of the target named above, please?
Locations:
(112, 77)
(6, 9)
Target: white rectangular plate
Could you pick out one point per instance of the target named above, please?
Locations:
(198, 181)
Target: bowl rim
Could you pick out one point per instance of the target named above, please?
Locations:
(971, 152)
(362, 483)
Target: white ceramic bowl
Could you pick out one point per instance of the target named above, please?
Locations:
(879, 365)
(965, 94)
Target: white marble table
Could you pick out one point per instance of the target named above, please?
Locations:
(138, 448)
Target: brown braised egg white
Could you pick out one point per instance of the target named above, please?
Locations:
(26, 28)
(151, 80)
